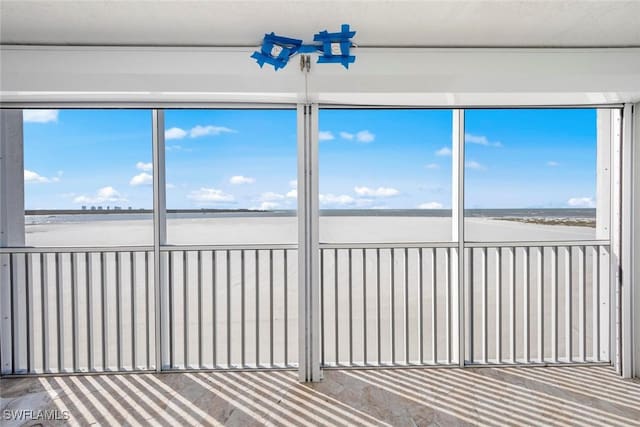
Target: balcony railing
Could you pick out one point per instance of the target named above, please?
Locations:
(231, 307)
(93, 309)
(538, 302)
(389, 304)
(79, 310)
(525, 303)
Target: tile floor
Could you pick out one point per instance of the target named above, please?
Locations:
(394, 397)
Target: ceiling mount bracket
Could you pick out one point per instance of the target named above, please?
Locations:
(305, 63)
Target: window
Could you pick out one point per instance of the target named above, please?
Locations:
(231, 176)
(530, 174)
(385, 175)
(88, 177)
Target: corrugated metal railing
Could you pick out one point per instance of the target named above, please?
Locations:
(236, 306)
(231, 306)
(93, 309)
(79, 310)
(525, 303)
(538, 302)
(389, 304)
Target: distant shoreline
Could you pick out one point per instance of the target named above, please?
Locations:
(127, 211)
(572, 222)
(561, 214)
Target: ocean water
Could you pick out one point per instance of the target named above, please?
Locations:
(53, 217)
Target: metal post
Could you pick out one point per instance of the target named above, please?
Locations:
(626, 248)
(308, 257)
(614, 252)
(457, 221)
(159, 238)
(635, 225)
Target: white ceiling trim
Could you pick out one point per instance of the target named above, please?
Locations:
(408, 76)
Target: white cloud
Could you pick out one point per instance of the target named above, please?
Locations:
(210, 195)
(175, 133)
(365, 136)
(444, 151)
(293, 183)
(472, 164)
(267, 206)
(292, 194)
(430, 205)
(103, 195)
(480, 140)
(347, 135)
(32, 177)
(147, 167)
(341, 200)
(581, 202)
(432, 166)
(270, 196)
(109, 193)
(39, 116)
(552, 164)
(376, 192)
(141, 179)
(325, 135)
(198, 131)
(239, 179)
(170, 186)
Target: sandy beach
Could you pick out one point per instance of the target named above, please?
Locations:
(277, 230)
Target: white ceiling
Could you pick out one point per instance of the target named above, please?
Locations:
(488, 23)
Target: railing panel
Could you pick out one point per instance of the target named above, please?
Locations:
(538, 304)
(75, 311)
(236, 307)
(388, 305)
(231, 308)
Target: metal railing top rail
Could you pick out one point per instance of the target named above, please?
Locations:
(387, 245)
(281, 246)
(229, 247)
(144, 248)
(468, 244)
(536, 243)
(73, 249)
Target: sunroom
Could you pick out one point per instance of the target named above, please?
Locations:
(437, 231)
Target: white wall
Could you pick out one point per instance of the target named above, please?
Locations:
(409, 76)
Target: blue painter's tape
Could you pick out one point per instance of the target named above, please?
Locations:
(278, 50)
(345, 34)
(343, 39)
(310, 48)
(287, 47)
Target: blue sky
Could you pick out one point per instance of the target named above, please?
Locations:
(368, 158)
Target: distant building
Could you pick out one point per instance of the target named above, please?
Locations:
(93, 208)
(84, 208)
